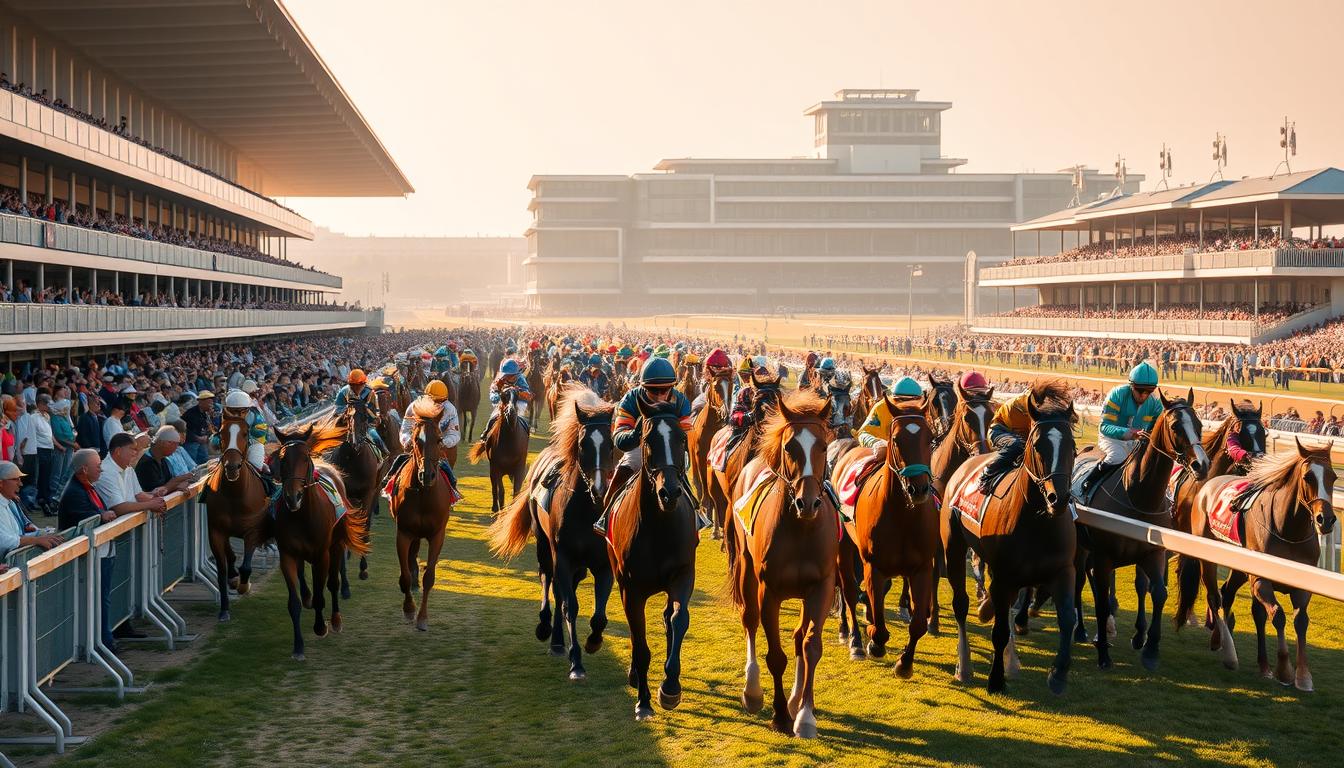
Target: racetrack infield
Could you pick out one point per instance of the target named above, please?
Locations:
(479, 690)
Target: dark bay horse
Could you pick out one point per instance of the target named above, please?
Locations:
(388, 426)
(1026, 535)
(235, 505)
(567, 546)
(307, 529)
(710, 419)
(1138, 490)
(358, 463)
(871, 390)
(421, 506)
(536, 381)
(943, 398)
(790, 552)
(894, 531)
(652, 539)
(619, 383)
(468, 398)
(1287, 509)
(506, 448)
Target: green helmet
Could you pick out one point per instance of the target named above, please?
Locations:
(907, 387)
(1144, 375)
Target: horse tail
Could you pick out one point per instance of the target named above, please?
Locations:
(736, 564)
(357, 531)
(1189, 575)
(512, 528)
(477, 452)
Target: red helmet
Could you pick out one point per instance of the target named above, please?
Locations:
(718, 359)
(612, 349)
(811, 358)
(973, 381)
(534, 345)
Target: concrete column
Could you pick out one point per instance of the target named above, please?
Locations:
(73, 198)
(93, 195)
(1287, 219)
(135, 285)
(93, 283)
(116, 282)
(51, 182)
(9, 274)
(130, 205)
(70, 284)
(112, 201)
(23, 179)
(41, 277)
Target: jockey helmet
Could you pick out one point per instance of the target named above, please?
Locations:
(691, 358)
(534, 345)
(237, 398)
(356, 377)
(378, 383)
(509, 368)
(657, 372)
(437, 390)
(680, 345)
(827, 364)
(249, 386)
(718, 359)
(906, 387)
(811, 358)
(758, 361)
(595, 360)
(468, 353)
(1143, 375)
(973, 381)
(441, 352)
(612, 349)
(744, 365)
(425, 356)
(662, 351)
(452, 345)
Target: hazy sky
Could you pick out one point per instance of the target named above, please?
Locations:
(473, 98)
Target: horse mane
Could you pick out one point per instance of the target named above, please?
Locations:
(801, 404)
(327, 434)
(568, 427)
(1271, 470)
(1052, 397)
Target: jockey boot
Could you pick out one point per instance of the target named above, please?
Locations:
(490, 422)
(1096, 473)
(268, 483)
(618, 481)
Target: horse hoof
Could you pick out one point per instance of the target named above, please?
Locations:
(224, 616)
(905, 670)
(716, 535)
(543, 631)
(1136, 642)
(857, 654)
(307, 603)
(903, 616)
(244, 587)
(408, 616)
(298, 656)
(643, 713)
(363, 575)
(985, 612)
(933, 629)
(997, 686)
(1303, 683)
(422, 625)
(1149, 662)
(805, 730)
(345, 593)
(593, 644)
(337, 624)
(1058, 682)
(1104, 664)
(752, 703)
(783, 725)
(875, 650)
(1080, 635)
(843, 637)
(578, 674)
(668, 700)
(319, 631)
(963, 674)
(233, 584)
(557, 650)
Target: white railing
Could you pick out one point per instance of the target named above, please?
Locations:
(1108, 266)
(1069, 325)
(16, 319)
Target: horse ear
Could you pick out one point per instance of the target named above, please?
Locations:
(826, 410)
(784, 409)
(1301, 450)
(1032, 409)
(1162, 396)
(989, 395)
(1260, 409)
(1190, 397)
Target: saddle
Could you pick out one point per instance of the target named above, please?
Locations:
(1081, 468)
(1225, 519)
(445, 472)
(549, 469)
(719, 449)
(758, 477)
(971, 502)
(851, 482)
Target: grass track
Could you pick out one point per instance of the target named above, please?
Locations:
(479, 690)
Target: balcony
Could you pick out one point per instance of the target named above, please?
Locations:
(54, 326)
(1261, 261)
(27, 121)
(1228, 331)
(21, 230)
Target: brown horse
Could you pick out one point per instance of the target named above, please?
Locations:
(387, 427)
(421, 506)
(506, 448)
(688, 381)
(790, 552)
(536, 380)
(722, 483)
(894, 531)
(235, 505)
(567, 547)
(871, 390)
(555, 390)
(1287, 508)
(416, 379)
(1026, 535)
(354, 456)
(468, 398)
(307, 529)
(711, 418)
(652, 536)
(1138, 490)
(619, 383)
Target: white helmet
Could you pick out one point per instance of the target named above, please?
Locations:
(249, 386)
(237, 399)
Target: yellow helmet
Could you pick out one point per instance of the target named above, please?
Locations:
(378, 382)
(744, 365)
(437, 390)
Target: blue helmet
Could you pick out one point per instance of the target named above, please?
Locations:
(657, 372)
(441, 352)
(907, 387)
(1144, 375)
(510, 368)
(827, 364)
(595, 360)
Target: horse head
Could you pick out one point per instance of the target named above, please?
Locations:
(795, 446)
(1250, 427)
(663, 443)
(357, 423)
(910, 446)
(720, 396)
(872, 383)
(233, 446)
(595, 450)
(943, 403)
(975, 411)
(1050, 452)
(1316, 484)
(294, 466)
(1178, 429)
(426, 439)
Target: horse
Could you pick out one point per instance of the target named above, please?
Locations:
(358, 463)
(536, 378)
(1026, 535)
(421, 506)
(1286, 502)
(709, 420)
(870, 392)
(791, 551)
(468, 398)
(894, 531)
(494, 358)
(688, 381)
(722, 482)
(558, 380)
(1245, 424)
(652, 537)
(1138, 490)
(416, 379)
(567, 547)
(942, 403)
(235, 505)
(388, 427)
(618, 384)
(307, 529)
(506, 448)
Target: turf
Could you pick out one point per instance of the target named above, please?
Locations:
(479, 690)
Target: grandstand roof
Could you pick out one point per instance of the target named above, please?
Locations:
(1317, 197)
(245, 72)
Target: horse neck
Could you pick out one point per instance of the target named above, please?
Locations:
(1288, 517)
(1149, 471)
(949, 454)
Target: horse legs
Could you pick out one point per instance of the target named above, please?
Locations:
(1262, 590)
(320, 565)
(874, 584)
(304, 592)
(752, 695)
(920, 584)
(602, 579)
(245, 569)
(954, 554)
(219, 547)
(406, 578)
(334, 556)
(291, 567)
(1220, 603)
(775, 659)
(1141, 587)
(1080, 634)
(807, 649)
(676, 620)
(370, 505)
(1062, 590)
(427, 580)
(545, 574)
(1301, 599)
(1022, 617)
(567, 604)
(1101, 595)
(939, 567)
(1152, 568)
(1000, 596)
(345, 578)
(633, 603)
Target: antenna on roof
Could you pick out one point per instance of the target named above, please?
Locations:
(1287, 142)
(1120, 174)
(1219, 155)
(1164, 164)
(1079, 185)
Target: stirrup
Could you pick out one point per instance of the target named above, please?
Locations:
(600, 525)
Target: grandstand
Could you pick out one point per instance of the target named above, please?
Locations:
(1232, 261)
(142, 147)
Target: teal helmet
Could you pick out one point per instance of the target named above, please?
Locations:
(1144, 375)
(906, 387)
(510, 368)
(441, 352)
(827, 364)
(595, 360)
(657, 372)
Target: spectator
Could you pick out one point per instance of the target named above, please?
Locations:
(89, 430)
(16, 530)
(199, 418)
(112, 426)
(80, 501)
(153, 470)
(120, 491)
(45, 457)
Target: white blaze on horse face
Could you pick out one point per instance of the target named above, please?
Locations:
(1056, 439)
(1318, 473)
(596, 438)
(664, 430)
(1192, 435)
(806, 440)
(981, 412)
(233, 437)
(912, 428)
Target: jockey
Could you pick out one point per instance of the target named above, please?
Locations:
(437, 392)
(593, 377)
(655, 386)
(1129, 413)
(809, 366)
(750, 400)
(716, 363)
(468, 357)
(661, 351)
(355, 394)
(744, 369)
(837, 389)
(510, 377)
(826, 370)
(444, 360)
(876, 429)
(1008, 429)
(237, 404)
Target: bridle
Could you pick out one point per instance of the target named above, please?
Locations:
(309, 478)
(793, 485)
(1040, 480)
(900, 469)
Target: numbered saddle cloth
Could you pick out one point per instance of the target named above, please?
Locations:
(1225, 517)
(851, 482)
(970, 503)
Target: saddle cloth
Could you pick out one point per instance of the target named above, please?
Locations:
(1174, 484)
(718, 449)
(851, 482)
(1225, 517)
(757, 488)
(445, 473)
(328, 485)
(970, 503)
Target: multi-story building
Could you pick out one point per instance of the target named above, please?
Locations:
(838, 231)
(142, 147)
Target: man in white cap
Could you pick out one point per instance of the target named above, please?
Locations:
(15, 528)
(153, 471)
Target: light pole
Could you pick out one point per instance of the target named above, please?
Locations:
(916, 270)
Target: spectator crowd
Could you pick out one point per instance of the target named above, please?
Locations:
(1167, 245)
(1269, 313)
